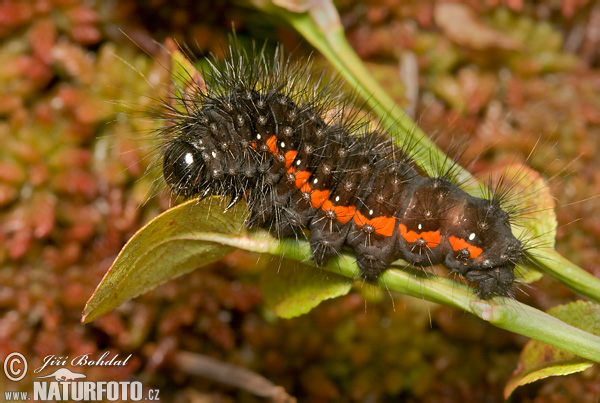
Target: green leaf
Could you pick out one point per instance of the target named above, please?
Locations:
(539, 360)
(559, 368)
(292, 288)
(174, 243)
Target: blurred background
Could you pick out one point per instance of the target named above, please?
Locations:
(501, 77)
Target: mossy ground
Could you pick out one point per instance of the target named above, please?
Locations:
(74, 188)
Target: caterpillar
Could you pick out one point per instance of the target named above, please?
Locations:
(296, 149)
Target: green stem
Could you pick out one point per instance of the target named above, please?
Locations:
(568, 273)
(538, 325)
(504, 313)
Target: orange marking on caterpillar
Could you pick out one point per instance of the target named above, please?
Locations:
(459, 243)
(360, 219)
(342, 213)
(290, 156)
(409, 236)
(305, 188)
(301, 178)
(272, 144)
(254, 145)
(327, 205)
(383, 225)
(433, 238)
(318, 197)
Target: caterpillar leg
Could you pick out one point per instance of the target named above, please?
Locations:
(327, 236)
(497, 281)
(373, 243)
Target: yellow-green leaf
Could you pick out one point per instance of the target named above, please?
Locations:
(174, 243)
(292, 288)
(539, 360)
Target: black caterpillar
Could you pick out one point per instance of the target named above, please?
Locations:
(294, 148)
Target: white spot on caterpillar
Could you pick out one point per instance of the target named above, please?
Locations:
(282, 144)
(214, 154)
(189, 158)
(472, 236)
(298, 162)
(420, 227)
(258, 137)
(370, 212)
(337, 198)
(316, 181)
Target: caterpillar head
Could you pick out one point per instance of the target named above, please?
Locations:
(483, 248)
(183, 167)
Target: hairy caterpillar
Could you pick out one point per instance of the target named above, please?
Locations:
(293, 146)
